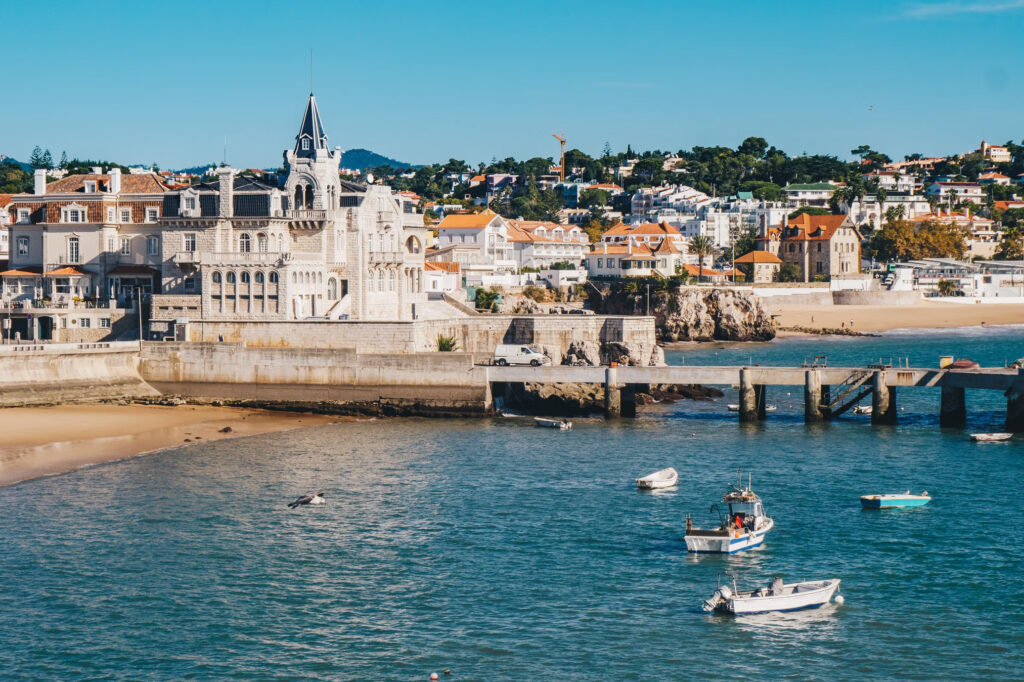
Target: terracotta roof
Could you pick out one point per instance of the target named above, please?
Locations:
(605, 185)
(5, 199)
(444, 266)
(25, 271)
(68, 271)
(620, 250)
(813, 227)
(144, 183)
(646, 228)
(708, 272)
(993, 176)
(772, 233)
(668, 246)
(468, 221)
(478, 178)
(1004, 205)
(759, 257)
(526, 231)
(953, 217)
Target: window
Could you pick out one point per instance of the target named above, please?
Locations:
(126, 246)
(151, 215)
(72, 249)
(110, 214)
(380, 281)
(85, 322)
(261, 242)
(153, 246)
(90, 186)
(245, 278)
(105, 322)
(24, 215)
(244, 243)
(74, 215)
(190, 203)
(273, 278)
(190, 283)
(371, 282)
(332, 289)
(600, 262)
(259, 278)
(110, 244)
(190, 241)
(305, 143)
(231, 278)
(216, 278)
(391, 280)
(126, 215)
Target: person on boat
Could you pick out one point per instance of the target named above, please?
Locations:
(739, 522)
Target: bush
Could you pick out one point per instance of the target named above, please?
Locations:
(446, 344)
(820, 278)
(486, 299)
(535, 293)
(788, 272)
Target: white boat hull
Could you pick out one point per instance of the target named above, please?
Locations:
(990, 437)
(666, 478)
(728, 544)
(795, 601)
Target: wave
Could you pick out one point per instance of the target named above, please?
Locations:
(975, 331)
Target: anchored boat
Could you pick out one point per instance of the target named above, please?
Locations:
(560, 424)
(666, 478)
(745, 526)
(895, 501)
(809, 594)
(990, 437)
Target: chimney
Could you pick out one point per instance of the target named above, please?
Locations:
(227, 192)
(96, 170)
(115, 181)
(40, 178)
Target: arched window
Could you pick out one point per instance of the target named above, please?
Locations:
(294, 277)
(216, 277)
(259, 277)
(231, 278)
(332, 289)
(261, 242)
(371, 282)
(319, 278)
(72, 249)
(298, 196)
(273, 278)
(244, 243)
(391, 280)
(380, 280)
(412, 245)
(280, 242)
(309, 196)
(245, 277)
(307, 278)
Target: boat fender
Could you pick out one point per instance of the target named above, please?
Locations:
(840, 599)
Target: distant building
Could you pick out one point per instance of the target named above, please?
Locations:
(479, 242)
(813, 194)
(764, 265)
(629, 259)
(827, 245)
(538, 244)
(993, 179)
(995, 153)
(956, 192)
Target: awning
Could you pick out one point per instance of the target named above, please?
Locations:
(68, 271)
(27, 271)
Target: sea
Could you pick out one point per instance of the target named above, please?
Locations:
(495, 550)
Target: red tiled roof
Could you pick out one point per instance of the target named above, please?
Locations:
(475, 221)
(759, 257)
(813, 227)
(144, 183)
(5, 199)
(68, 271)
(695, 271)
(24, 271)
(444, 266)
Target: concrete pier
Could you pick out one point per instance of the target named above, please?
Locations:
(812, 397)
(612, 395)
(883, 400)
(760, 399)
(628, 401)
(953, 407)
(1015, 408)
(748, 397)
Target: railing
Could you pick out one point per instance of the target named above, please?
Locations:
(187, 258)
(385, 256)
(232, 257)
(307, 214)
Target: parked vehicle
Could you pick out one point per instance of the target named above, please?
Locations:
(516, 354)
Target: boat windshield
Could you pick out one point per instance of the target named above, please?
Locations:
(745, 508)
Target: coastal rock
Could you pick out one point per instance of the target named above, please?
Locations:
(582, 353)
(692, 313)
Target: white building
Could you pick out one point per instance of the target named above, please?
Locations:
(868, 211)
(813, 194)
(478, 242)
(538, 244)
(956, 192)
(680, 198)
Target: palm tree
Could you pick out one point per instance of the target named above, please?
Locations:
(702, 247)
(946, 287)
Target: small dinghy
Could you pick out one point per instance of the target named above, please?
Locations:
(862, 409)
(990, 437)
(734, 407)
(776, 597)
(666, 478)
(560, 424)
(895, 501)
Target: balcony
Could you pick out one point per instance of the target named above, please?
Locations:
(187, 258)
(385, 256)
(306, 214)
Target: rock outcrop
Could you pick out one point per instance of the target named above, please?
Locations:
(692, 313)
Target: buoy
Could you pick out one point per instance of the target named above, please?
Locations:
(447, 671)
(433, 676)
(840, 599)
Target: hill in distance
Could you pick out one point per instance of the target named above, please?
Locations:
(359, 159)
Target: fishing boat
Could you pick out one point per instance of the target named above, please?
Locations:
(743, 528)
(990, 437)
(862, 409)
(560, 424)
(895, 501)
(666, 478)
(809, 594)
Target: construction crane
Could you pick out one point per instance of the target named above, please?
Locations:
(561, 165)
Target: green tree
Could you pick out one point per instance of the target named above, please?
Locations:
(788, 272)
(593, 197)
(746, 241)
(486, 299)
(36, 159)
(13, 178)
(702, 247)
(946, 287)
(809, 210)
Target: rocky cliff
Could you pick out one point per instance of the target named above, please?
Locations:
(690, 313)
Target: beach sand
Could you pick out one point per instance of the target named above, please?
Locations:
(38, 441)
(925, 314)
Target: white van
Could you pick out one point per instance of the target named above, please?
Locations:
(515, 354)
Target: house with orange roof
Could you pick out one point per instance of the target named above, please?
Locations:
(826, 246)
(479, 242)
(982, 236)
(646, 234)
(993, 178)
(539, 244)
(630, 259)
(763, 266)
(995, 153)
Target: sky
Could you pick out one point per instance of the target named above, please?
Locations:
(145, 82)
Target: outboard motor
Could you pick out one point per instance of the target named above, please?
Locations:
(721, 596)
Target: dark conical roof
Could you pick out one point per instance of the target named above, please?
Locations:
(311, 129)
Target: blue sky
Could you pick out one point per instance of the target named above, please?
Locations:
(140, 82)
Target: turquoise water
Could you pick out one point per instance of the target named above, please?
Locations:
(502, 551)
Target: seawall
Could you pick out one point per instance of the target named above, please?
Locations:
(38, 374)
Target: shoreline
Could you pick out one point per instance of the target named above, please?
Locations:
(873, 319)
(45, 441)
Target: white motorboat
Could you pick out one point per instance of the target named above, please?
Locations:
(776, 597)
(666, 478)
(990, 437)
(862, 409)
(561, 424)
(745, 526)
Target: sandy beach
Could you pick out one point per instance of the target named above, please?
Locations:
(925, 314)
(38, 441)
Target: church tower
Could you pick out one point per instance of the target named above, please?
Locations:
(312, 168)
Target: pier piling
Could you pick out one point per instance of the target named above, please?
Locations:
(812, 397)
(612, 395)
(953, 407)
(1015, 407)
(748, 397)
(883, 400)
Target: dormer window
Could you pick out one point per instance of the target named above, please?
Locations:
(24, 215)
(90, 186)
(151, 215)
(305, 144)
(126, 215)
(73, 214)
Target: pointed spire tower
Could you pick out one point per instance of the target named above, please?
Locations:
(312, 182)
